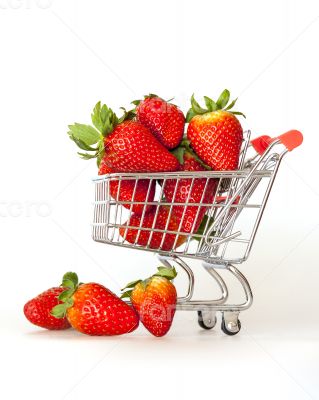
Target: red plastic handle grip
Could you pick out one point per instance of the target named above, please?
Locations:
(290, 140)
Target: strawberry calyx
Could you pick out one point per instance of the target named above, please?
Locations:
(150, 96)
(164, 272)
(71, 282)
(91, 138)
(184, 150)
(146, 96)
(221, 104)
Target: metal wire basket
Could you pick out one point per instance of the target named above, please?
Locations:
(232, 216)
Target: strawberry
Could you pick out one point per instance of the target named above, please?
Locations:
(125, 191)
(154, 299)
(128, 145)
(157, 218)
(215, 133)
(37, 310)
(165, 120)
(93, 309)
(190, 190)
(131, 147)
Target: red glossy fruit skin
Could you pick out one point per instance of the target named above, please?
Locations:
(161, 218)
(126, 190)
(155, 304)
(200, 191)
(131, 147)
(166, 121)
(216, 137)
(38, 310)
(97, 311)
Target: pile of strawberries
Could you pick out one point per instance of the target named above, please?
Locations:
(92, 309)
(150, 138)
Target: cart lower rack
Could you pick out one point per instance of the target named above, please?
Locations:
(233, 203)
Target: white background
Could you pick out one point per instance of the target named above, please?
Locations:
(58, 58)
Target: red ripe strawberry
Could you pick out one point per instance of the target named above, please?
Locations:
(156, 219)
(38, 310)
(128, 145)
(131, 147)
(190, 190)
(165, 120)
(125, 190)
(93, 309)
(215, 133)
(155, 300)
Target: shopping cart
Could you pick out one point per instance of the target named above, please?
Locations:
(230, 225)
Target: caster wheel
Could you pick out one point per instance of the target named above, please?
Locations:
(232, 328)
(206, 320)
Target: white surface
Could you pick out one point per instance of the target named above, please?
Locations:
(57, 59)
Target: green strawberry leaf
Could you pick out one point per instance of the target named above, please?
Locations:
(223, 99)
(96, 117)
(179, 154)
(104, 119)
(70, 280)
(187, 145)
(231, 105)
(151, 96)
(238, 113)
(196, 107)
(168, 273)
(85, 133)
(135, 102)
(69, 302)
(204, 227)
(132, 284)
(66, 295)
(68, 283)
(81, 144)
(127, 115)
(210, 104)
(100, 153)
(127, 294)
(59, 311)
(190, 114)
(87, 156)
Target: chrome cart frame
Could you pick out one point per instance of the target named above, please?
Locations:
(232, 220)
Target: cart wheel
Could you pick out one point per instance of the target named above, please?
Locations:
(232, 327)
(206, 319)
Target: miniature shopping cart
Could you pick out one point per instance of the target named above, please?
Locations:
(231, 222)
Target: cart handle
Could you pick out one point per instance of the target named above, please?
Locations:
(262, 145)
(290, 140)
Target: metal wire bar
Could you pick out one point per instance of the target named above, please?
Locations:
(220, 304)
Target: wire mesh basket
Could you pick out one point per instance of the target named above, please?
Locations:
(232, 201)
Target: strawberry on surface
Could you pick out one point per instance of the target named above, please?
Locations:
(93, 309)
(215, 133)
(155, 300)
(124, 190)
(165, 120)
(38, 310)
(159, 219)
(127, 145)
